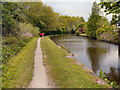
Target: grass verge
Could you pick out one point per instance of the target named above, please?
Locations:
(19, 70)
(63, 70)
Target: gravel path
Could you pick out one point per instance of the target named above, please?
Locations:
(39, 79)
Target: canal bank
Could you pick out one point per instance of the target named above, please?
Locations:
(94, 54)
(65, 71)
(116, 42)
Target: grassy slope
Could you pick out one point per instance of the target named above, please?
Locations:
(19, 69)
(63, 71)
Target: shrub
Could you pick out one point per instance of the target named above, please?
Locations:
(9, 49)
(27, 35)
(108, 36)
(77, 33)
(10, 40)
(28, 30)
(103, 29)
(12, 45)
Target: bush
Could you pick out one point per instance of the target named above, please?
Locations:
(12, 45)
(77, 33)
(103, 29)
(28, 30)
(10, 40)
(108, 36)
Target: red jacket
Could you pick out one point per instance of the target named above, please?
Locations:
(41, 34)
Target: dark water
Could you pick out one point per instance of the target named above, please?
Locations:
(92, 53)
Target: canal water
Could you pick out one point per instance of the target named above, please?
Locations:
(94, 54)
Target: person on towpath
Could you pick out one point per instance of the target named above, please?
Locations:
(41, 34)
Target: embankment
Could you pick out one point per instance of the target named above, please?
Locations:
(65, 71)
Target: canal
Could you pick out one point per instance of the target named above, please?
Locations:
(94, 54)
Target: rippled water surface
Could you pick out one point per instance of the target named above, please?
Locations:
(92, 53)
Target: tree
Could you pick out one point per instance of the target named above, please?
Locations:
(81, 19)
(70, 23)
(92, 25)
(12, 13)
(112, 7)
(42, 16)
(81, 27)
(104, 26)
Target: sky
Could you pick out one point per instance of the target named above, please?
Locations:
(73, 7)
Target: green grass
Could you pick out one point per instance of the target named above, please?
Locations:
(63, 70)
(19, 70)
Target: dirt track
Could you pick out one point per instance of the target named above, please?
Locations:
(39, 79)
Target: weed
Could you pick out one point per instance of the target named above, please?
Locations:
(105, 78)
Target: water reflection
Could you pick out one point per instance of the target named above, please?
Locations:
(113, 74)
(94, 54)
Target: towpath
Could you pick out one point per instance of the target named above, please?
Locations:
(40, 79)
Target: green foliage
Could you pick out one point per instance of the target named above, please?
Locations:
(107, 36)
(80, 28)
(28, 28)
(70, 23)
(11, 46)
(112, 6)
(83, 35)
(103, 21)
(77, 33)
(101, 73)
(102, 30)
(39, 15)
(47, 20)
(18, 72)
(81, 25)
(65, 49)
(11, 14)
(92, 21)
(42, 16)
(106, 79)
(106, 32)
(104, 26)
